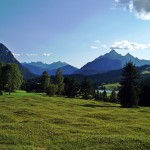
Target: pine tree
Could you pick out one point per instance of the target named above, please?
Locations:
(128, 93)
(72, 87)
(105, 97)
(51, 90)
(59, 81)
(1, 65)
(87, 89)
(145, 93)
(45, 81)
(98, 95)
(113, 97)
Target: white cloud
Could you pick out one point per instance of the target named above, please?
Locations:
(104, 46)
(16, 55)
(130, 46)
(47, 54)
(141, 8)
(143, 15)
(94, 47)
(30, 54)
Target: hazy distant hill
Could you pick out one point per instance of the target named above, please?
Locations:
(34, 69)
(109, 61)
(112, 76)
(42, 65)
(66, 70)
(39, 67)
(7, 57)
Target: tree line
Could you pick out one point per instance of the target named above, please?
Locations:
(133, 90)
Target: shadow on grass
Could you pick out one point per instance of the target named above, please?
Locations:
(94, 106)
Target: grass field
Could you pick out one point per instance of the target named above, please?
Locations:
(146, 72)
(31, 121)
(112, 86)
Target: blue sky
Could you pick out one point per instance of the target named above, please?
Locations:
(74, 31)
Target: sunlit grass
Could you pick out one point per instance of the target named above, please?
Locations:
(112, 86)
(34, 121)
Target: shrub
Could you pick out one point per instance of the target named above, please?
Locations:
(51, 90)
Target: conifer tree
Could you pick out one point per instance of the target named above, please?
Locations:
(1, 65)
(72, 87)
(87, 89)
(113, 97)
(128, 93)
(145, 93)
(45, 81)
(59, 81)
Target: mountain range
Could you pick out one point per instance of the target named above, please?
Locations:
(112, 76)
(104, 64)
(39, 67)
(109, 61)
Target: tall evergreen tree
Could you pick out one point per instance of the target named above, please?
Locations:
(51, 89)
(113, 97)
(145, 93)
(87, 90)
(98, 95)
(11, 77)
(105, 97)
(45, 81)
(59, 81)
(1, 65)
(72, 87)
(128, 93)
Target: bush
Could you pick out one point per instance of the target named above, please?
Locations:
(51, 90)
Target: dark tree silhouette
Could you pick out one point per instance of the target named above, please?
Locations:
(145, 93)
(59, 81)
(129, 89)
(11, 77)
(72, 87)
(87, 90)
(113, 97)
(45, 81)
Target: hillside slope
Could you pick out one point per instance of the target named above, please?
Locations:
(6, 56)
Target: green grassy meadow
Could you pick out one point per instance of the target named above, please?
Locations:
(112, 86)
(31, 121)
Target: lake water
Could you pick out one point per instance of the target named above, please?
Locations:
(107, 91)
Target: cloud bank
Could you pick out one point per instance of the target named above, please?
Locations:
(47, 54)
(141, 8)
(32, 54)
(130, 46)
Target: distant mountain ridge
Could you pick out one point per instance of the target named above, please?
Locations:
(6, 56)
(42, 65)
(39, 67)
(112, 76)
(108, 62)
(103, 64)
(66, 70)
